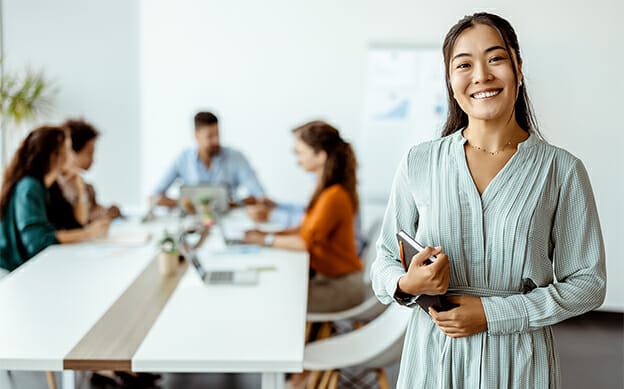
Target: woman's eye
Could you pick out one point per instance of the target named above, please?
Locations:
(463, 66)
(495, 59)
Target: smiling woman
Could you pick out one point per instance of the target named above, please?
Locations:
(504, 209)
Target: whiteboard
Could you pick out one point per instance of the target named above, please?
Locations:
(404, 104)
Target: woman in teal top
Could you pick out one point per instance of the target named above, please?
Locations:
(514, 221)
(24, 226)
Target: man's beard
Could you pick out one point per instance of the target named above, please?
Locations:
(214, 150)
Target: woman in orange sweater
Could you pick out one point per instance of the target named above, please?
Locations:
(327, 230)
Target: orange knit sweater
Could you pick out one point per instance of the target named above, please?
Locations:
(327, 230)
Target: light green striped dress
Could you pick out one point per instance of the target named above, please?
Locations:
(536, 223)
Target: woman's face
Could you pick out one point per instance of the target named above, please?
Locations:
(308, 159)
(83, 159)
(481, 74)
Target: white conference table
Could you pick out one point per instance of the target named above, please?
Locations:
(57, 307)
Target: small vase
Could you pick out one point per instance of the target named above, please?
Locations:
(167, 263)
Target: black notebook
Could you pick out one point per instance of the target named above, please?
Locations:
(408, 247)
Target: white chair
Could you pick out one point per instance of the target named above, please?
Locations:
(375, 345)
(370, 307)
(326, 355)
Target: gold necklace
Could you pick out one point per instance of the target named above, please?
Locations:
(493, 153)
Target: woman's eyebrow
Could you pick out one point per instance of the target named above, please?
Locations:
(495, 48)
(470, 55)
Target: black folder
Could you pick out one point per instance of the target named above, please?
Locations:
(408, 247)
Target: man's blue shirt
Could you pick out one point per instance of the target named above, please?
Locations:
(229, 167)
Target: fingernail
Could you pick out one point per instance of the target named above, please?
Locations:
(438, 247)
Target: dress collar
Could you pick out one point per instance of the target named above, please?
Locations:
(532, 140)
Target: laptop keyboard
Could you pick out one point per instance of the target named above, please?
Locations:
(221, 277)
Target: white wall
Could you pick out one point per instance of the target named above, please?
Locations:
(265, 67)
(90, 50)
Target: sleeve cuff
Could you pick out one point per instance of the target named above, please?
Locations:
(505, 315)
(393, 283)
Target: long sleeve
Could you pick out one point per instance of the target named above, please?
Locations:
(171, 174)
(578, 257)
(328, 233)
(35, 230)
(401, 213)
(246, 177)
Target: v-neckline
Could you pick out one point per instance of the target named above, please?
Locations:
(494, 182)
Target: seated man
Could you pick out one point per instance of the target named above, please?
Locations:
(210, 163)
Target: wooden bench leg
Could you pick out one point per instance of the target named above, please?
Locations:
(333, 381)
(382, 380)
(325, 379)
(313, 379)
(51, 383)
(325, 331)
(308, 331)
(320, 378)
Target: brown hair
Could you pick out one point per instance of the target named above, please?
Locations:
(80, 131)
(205, 119)
(32, 158)
(457, 118)
(341, 163)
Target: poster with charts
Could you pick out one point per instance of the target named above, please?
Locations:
(404, 104)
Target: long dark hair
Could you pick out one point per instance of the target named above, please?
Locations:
(457, 118)
(341, 163)
(32, 158)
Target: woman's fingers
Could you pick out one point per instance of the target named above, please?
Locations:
(420, 258)
(445, 322)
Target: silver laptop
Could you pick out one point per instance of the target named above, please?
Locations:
(217, 194)
(227, 240)
(224, 277)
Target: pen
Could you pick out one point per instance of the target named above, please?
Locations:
(263, 268)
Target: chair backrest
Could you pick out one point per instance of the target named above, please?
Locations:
(376, 344)
(369, 251)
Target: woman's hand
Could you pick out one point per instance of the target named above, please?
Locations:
(98, 228)
(74, 180)
(258, 212)
(113, 212)
(432, 279)
(254, 237)
(467, 319)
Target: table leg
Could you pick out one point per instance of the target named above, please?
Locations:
(69, 379)
(5, 379)
(272, 380)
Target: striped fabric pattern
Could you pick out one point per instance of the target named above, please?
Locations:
(530, 246)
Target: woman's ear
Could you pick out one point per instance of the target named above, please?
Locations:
(322, 155)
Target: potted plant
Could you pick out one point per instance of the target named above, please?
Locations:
(23, 98)
(168, 255)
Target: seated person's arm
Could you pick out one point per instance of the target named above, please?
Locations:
(96, 229)
(290, 231)
(289, 242)
(287, 239)
(98, 211)
(35, 230)
(246, 177)
(159, 196)
(163, 200)
(329, 211)
(259, 209)
(81, 207)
